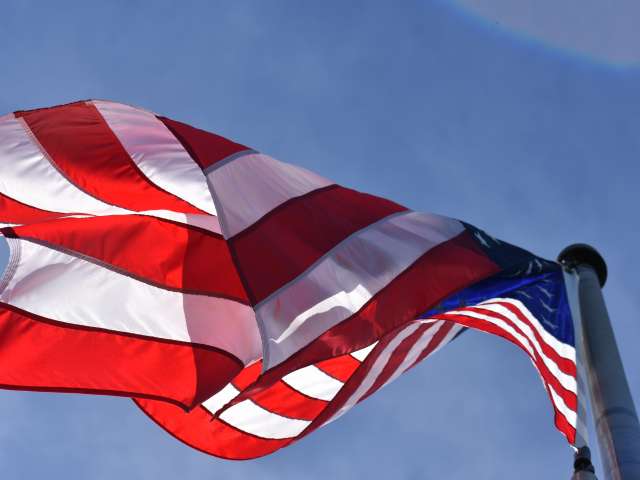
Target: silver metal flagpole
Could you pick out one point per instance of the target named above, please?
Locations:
(582, 466)
(612, 406)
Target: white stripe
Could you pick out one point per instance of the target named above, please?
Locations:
(252, 185)
(220, 399)
(350, 301)
(207, 222)
(345, 279)
(157, 153)
(566, 351)
(363, 353)
(425, 341)
(563, 349)
(375, 371)
(253, 419)
(27, 175)
(313, 382)
(448, 337)
(414, 352)
(569, 414)
(69, 289)
(567, 381)
(522, 341)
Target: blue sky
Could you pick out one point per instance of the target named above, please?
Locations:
(522, 121)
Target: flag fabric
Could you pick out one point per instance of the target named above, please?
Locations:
(241, 301)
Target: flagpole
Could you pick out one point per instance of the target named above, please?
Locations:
(582, 466)
(612, 406)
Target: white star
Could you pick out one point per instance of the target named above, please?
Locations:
(529, 269)
(479, 236)
(547, 307)
(523, 293)
(516, 274)
(492, 238)
(546, 292)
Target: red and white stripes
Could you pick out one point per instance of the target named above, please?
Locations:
(83, 294)
(302, 400)
(33, 182)
(155, 260)
(116, 255)
(157, 153)
(265, 421)
(554, 360)
(345, 279)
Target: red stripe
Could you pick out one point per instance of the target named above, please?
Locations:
(280, 398)
(355, 381)
(156, 251)
(42, 354)
(13, 211)
(286, 401)
(341, 368)
(435, 342)
(446, 268)
(400, 353)
(396, 358)
(565, 427)
(204, 147)
(83, 147)
(561, 421)
(342, 396)
(200, 430)
(247, 376)
(352, 384)
(286, 241)
(566, 365)
(569, 397)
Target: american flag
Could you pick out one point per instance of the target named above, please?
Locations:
(242, 302)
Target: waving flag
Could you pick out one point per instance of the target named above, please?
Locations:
(243, 302)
